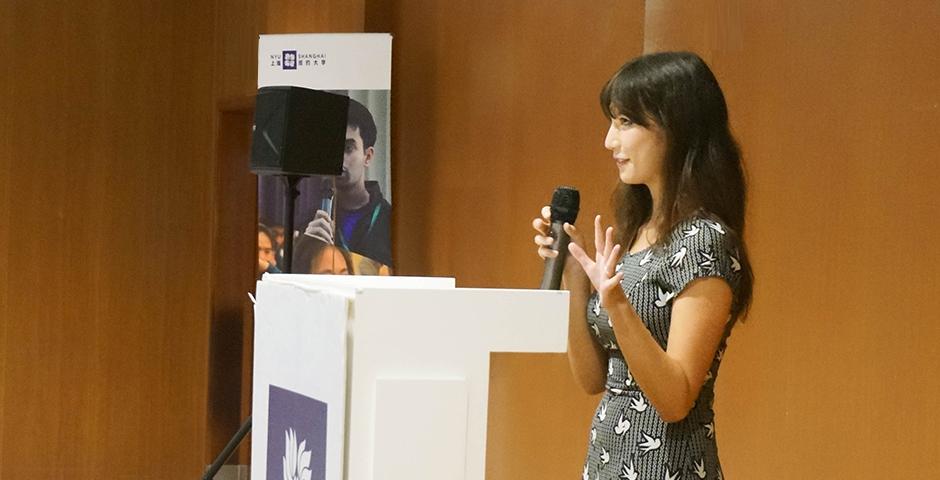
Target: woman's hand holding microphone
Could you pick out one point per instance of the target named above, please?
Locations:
(580, 270)
(573, 276)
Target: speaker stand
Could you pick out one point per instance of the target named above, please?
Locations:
(290, 199)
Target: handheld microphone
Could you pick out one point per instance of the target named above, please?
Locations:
(326, 204)
(565, 204)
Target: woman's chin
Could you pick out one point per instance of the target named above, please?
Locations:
(628, 178)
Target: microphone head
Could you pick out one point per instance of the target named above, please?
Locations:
(326, 186)
(565, 204)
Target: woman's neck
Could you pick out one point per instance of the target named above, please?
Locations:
(656, 221)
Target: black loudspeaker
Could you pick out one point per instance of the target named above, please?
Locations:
(298, 131)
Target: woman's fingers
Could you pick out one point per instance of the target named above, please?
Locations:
(579, 254)
(547, 214)
(612, 260)
(615, 281)
(598, 236)
(546, 252)
(544, 240)
(608, 241)
(540, 225)
(573, 233)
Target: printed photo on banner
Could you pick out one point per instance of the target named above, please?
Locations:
(342, 223)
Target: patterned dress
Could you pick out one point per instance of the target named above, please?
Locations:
(628, 439)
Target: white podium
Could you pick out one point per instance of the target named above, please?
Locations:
(384, 378)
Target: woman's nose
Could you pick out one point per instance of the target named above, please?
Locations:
(610, 141)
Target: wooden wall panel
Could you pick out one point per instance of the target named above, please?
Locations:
(237, 26)
(239, 22)
(234, 263)
(320, 16)
(494, 104)
(106, 170)
(6, 134)
(836, 106)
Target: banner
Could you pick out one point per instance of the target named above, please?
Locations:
(343, 223)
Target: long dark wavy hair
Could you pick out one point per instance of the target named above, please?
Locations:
(703, 172)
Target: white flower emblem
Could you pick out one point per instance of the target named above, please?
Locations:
(296, 458)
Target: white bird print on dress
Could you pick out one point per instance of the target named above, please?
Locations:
(735, 264)
(692, 231)
(593, 435)
(649, 444)
(619, 266)
(610, 367)
(720, 476)
(709, 376)
(699, 468)
(674, 476)
(597, 331)
(639, 404)
(677, 258)
(709, 260)
(628, 472)
(664, 297)
(616, 391)
(605, 456)
(710, 429)
(597, 308)
(613, 345)
(719, 354)
(585, 476)
(629, 381)
(716, 227)
(646, 258)
(602, 413)
(623, 425)
(610, 323)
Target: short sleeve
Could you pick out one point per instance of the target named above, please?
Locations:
(699, 248)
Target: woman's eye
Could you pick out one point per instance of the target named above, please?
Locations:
(624, 121)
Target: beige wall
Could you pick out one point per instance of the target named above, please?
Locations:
(115, 134)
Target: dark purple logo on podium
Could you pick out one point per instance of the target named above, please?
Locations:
(296, 436)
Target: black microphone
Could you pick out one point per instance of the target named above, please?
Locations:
(565, 204)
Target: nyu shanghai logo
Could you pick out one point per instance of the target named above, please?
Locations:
(294, 60)
(289, 61)
(296, 436)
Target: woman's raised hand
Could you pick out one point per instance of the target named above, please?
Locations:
(601, 270)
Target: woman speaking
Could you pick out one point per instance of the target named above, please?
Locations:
(652, 309)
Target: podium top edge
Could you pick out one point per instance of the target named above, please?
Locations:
(355, 285)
